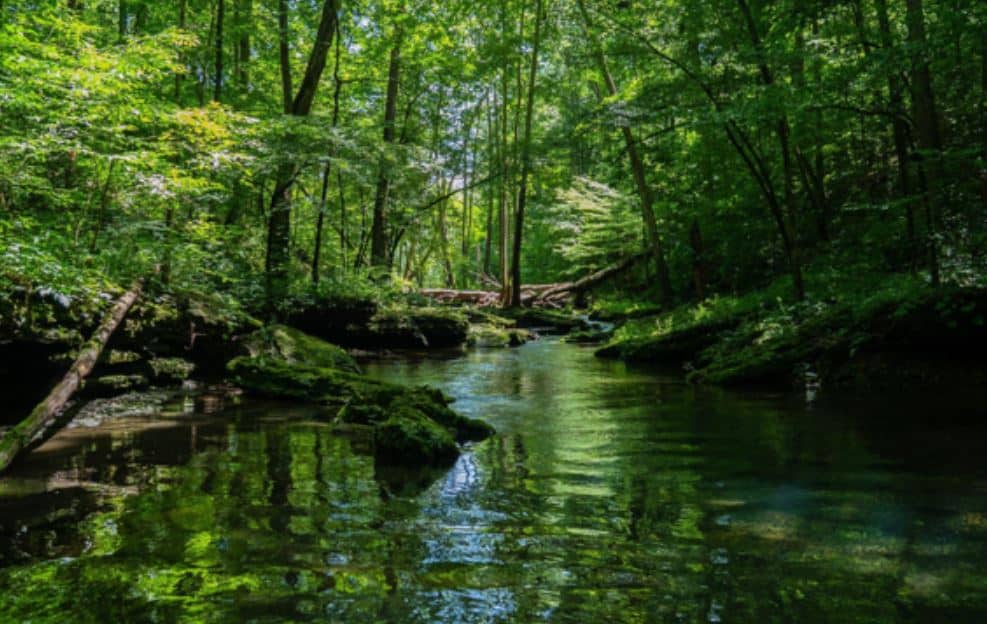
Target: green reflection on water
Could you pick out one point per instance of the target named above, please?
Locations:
(609, 495)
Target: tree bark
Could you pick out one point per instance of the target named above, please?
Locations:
(284, 56)
(122, 19)
(900, 132)
(323, 204)
(525, 162)
(217, 95)
(182, 22)
(644, 191)
(788, 226)
(46, 413)
(378, 236)
(927, 129)
(279, 221)
(245, 24)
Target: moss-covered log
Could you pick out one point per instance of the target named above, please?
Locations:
(45, 414)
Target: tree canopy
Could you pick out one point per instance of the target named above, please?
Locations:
(264, 149)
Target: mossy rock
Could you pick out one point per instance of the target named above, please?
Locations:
(546, 321)
(296, 347)
(113, 385)
(478, 316)
(589, 336)
(418, 328)
(492, 336)
(673, 347)
(408, 438)
(392, 410)
(171, 370)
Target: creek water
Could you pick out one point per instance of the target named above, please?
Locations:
(610, 494)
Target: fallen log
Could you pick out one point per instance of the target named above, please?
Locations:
(592, 280)
(539, 295)
(47, 412)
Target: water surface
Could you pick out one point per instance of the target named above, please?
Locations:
(609, 495)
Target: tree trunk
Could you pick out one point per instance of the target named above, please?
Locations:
(182, 22)
(245, 24)
(927, 130)
(217, 95)
(789, 226)
(279, 221)
(525, 162)
(323, 204)
(284, 55)
(900, 132)
(378, 237)
(504, 219)
(47, 412)
(122, 19)
(644, 191)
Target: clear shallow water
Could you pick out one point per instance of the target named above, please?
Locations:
(609, 495)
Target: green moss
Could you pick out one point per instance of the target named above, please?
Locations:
(488, 336)
(589, 336)
(171, 370)
(296, 347)
(365, 401)
(414, 327)
(111, 385)
(409, 438)
(554, 320)
(478, 316)
(115, 357)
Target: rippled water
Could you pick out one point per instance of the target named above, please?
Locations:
(609, 495)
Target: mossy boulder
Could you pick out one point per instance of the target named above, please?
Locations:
(408, 437)
(546, 321)
(589, 336)
(478, 316)
(675, 346)
(418, 328)
(170, 371)
(198, 327)
(492, 336)
(113, 385)
(412, 426)
(296, 347)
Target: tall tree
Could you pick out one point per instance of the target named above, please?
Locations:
(927, 129)
(525, 161)
(645, 194)
(279, 222)
(379, 256)
(217, 95)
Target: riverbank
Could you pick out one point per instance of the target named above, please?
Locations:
(898, 334)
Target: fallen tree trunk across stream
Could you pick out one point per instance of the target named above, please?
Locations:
(535, 295)
(47, 412)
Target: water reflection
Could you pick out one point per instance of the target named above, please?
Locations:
(609, 495)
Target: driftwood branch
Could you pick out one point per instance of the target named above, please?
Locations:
(47, 412)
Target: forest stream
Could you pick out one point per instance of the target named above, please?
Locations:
(609, 494)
